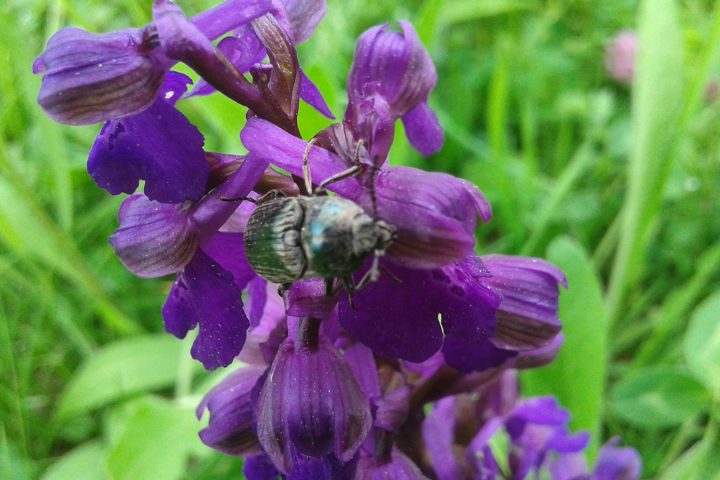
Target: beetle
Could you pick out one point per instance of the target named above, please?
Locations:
(315, 236)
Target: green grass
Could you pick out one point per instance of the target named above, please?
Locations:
(619, 186)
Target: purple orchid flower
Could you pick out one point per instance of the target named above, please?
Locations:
(88, 78)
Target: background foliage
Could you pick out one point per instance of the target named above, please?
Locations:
(617, 186)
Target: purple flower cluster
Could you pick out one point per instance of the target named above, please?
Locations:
(337, 370)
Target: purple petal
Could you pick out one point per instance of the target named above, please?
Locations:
(306, 298)
(205, 294)
(215, 209)
(227, 16)
(90, 78)
(286, 151)
(362, 363)
(243, 49)
(542, 411)
(159, 146)
(304, 17)
(438, 431)
(175, 86)
(570, 466)
(423, 129)
(435, 215)
(564, 442)
(260, 467)
(227, 250)
(393, 65)
(154, 239)
(232, 415)
(401, 320)
(527, 317)
(311, 94)
(540, 357)
(312, 404)
(257, 299)
(399, 467)
(322, 468)
(616, 463)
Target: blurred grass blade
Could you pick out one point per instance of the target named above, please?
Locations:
(656, 112)
(582, 159)
(577, 377)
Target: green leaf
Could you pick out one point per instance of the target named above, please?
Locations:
(702, 343)
(577, 377)
(122, 369)
(86, 462)
(155, 443)
(659, 398)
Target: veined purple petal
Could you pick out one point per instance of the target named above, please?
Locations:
(154, 239)
(321, 468)
(89, 78)
(312, 96)
(527, 317)
(311, 404)
(435, 215)
(392, 74)
(423, 129)
(205, 294)
(232, 414)
(159, 146)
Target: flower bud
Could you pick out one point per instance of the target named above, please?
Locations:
(311, 404)
(89, 78)
(620, 57)
(231, 414)
(527, 318)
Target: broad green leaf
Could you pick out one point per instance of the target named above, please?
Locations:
(577, 377)
(702, 343)
(155, 443)
(659, 397)
(86, 462)
(121, 369)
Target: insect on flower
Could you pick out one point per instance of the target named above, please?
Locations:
(315, 236)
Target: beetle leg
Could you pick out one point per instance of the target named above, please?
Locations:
(350, 172)
(271, 195)
(307, 176)
(350, 288)
(329, 287)
(282, 288)
(390, 274)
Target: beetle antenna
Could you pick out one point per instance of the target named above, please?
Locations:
(306, 166)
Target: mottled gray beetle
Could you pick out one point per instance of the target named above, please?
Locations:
(293, 238)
